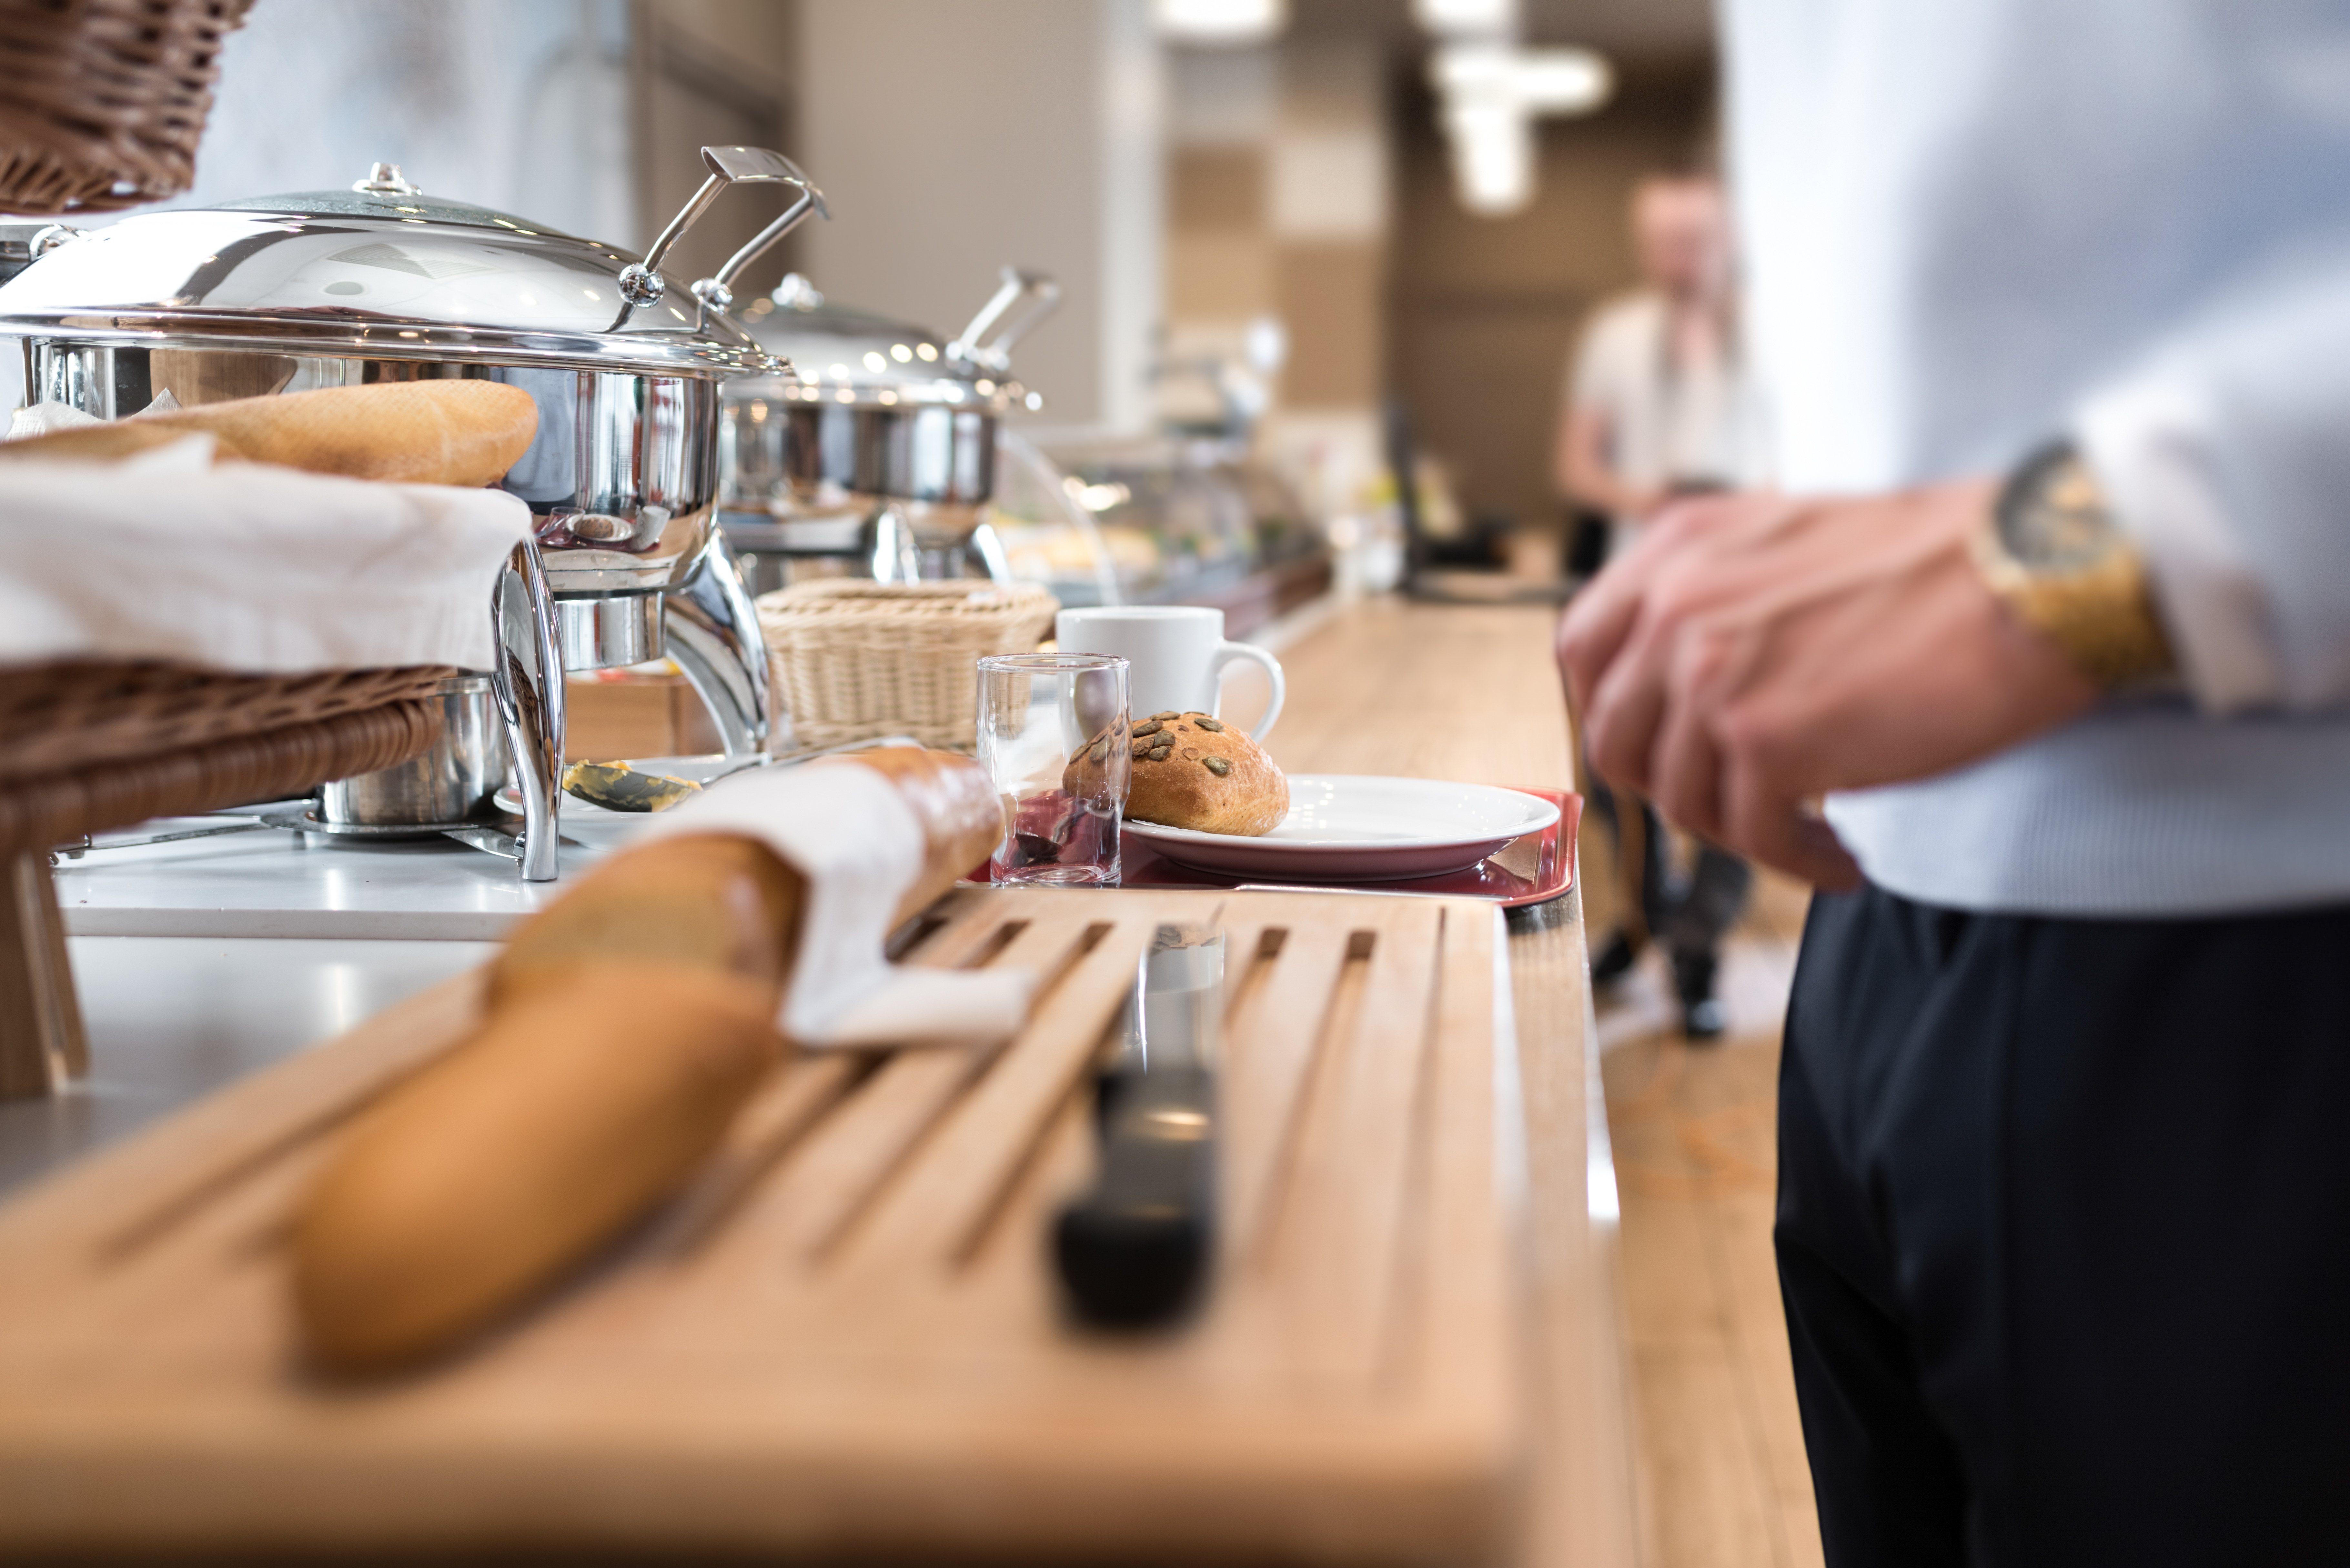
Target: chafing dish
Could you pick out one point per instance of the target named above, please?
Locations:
(382, 282)
(882, 447)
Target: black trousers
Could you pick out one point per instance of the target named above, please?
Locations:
(2063, 1235)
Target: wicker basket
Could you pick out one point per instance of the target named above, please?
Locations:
(102, 101)
(62, 717)
(857, 659)
(94, 746)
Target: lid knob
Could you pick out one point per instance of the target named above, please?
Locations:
(386, 179)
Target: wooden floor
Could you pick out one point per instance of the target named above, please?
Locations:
(1721, 1465)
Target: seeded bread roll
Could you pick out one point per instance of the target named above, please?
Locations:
(1193, 771)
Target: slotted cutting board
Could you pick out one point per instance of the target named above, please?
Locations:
(847, 1336)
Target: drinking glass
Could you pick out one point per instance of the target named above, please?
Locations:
(1052, 734)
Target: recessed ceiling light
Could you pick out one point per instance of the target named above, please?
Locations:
(1489, 94)
(1456, 16)
(1219, 21)
(1562, 81)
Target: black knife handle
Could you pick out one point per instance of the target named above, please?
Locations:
(1135, 1252)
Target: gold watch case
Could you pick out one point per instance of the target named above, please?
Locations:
(2054, 555)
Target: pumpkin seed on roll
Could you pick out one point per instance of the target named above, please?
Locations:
(1194, 771)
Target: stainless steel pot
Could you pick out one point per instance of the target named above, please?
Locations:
(326, 288)
(883, 423)
(455, 783)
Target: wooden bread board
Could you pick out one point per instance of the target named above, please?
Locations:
(847, 1336)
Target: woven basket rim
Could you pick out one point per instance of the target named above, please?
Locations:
(858, 587)
(891, 601)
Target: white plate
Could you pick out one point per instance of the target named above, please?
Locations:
(1352, 827)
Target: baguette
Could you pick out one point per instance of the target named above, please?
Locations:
(465, 432)
(952, 799)
(722, 902)
(703, 902)
(626, 1024)
(104, 443)
(474, 1186)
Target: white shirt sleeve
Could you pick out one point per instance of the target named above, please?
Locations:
(1616, 377)
(2226, 456)
(1608, 369)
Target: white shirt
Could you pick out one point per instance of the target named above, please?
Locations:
(1667, 424)
(1972, 225)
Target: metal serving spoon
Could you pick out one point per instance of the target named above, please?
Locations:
(617, 786)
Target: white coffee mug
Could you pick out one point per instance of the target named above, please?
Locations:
(1178, 653)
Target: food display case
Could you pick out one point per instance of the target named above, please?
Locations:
(1178, 520)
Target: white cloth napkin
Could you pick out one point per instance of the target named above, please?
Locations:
(857, 845)
(246, 567)
(49, 417)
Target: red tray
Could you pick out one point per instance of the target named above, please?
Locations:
(1533, 869)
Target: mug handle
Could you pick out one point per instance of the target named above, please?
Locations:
(1228, 651)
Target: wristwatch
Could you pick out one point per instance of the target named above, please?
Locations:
(2054, 557)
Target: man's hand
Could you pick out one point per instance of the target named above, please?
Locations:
(1752, 652)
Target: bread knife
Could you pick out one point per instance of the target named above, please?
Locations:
(1135, 1251)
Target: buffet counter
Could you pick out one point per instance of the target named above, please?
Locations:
(1472, 694)
(1375, 687)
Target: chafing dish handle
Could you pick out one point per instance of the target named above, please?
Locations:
(528, 684)
(717, 291)
(1039, 292)
(641, 282)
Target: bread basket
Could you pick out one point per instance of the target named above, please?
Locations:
(102, 102)
(94, 747)
(857, 660)
(99, 745)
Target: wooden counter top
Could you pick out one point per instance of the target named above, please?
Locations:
(1472, 693)
(1378, 687)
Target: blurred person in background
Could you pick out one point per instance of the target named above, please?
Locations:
(1657, 401)
(1658, 405)
(2052, 306)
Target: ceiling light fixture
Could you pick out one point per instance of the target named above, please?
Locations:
(1467, 18)
(1490, 93)
(1218, 22)
(1561, 81)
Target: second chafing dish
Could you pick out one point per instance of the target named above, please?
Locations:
(882, 446)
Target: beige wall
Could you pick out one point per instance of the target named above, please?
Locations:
(1483, 311)
(955, 138)
(708, 72)
(1279, 178)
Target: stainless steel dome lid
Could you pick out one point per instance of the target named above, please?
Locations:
(384, 271)
(842, 355)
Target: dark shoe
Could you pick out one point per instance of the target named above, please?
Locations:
(1702, 1017)
(1615, 961)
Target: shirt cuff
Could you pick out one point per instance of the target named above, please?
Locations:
(2149, 445)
